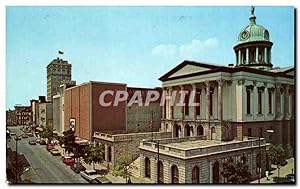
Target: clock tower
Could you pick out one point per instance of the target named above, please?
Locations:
(253, 48)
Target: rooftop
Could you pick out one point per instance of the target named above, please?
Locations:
(191, 147)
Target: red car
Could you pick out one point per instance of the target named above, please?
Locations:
(68, 160)
(77, 167)
(50, 147)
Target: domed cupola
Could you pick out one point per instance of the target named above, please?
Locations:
(254, 46)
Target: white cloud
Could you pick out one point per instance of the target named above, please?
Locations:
(164, 50)
(193, 49)
(197, 47)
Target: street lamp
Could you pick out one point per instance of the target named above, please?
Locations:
(16, 158)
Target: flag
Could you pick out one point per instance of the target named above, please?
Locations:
(60, 52)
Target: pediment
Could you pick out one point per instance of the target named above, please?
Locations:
(188, 69)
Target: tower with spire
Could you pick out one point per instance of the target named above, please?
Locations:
(253, 48)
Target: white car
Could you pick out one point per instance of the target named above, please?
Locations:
(89, 174)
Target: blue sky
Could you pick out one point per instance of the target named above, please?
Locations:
(133, 45)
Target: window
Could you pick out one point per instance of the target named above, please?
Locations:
(270, 101)
(187, 130)
(249, 132)
(200, 131)
(186, 103)
(147, 167)
(109, 154)
(211, 101)
(195, 174)
(198, 93)
(248, 101)
(174, 174)
(160, 172)
(259, 101)
(243, 160)
(216, 173)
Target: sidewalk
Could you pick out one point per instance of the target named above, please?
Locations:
(287, 169)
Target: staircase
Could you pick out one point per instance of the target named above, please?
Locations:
(136, 170)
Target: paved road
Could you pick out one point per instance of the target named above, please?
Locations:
(45, 168)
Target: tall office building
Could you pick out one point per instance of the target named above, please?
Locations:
(58, 70)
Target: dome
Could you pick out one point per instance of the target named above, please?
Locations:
(253, 32)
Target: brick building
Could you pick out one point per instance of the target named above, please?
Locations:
(11, 118)
(23, 115)
(82, 106)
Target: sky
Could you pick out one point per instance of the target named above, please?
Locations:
(132, 45)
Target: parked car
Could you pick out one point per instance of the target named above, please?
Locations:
(100, 180)
(12, 134)
(38, 140)
(55, 152)
(50, 147)
(290, 177)
(29, 134)
(89, 175)
(68, 160)
(42, 142)
(77, 167)
(24, 135)
(32, 142)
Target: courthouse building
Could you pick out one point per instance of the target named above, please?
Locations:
(236, 104)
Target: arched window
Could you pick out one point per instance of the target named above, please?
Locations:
(187, 130)
(243, 159)
(174, 174)
(147, 167)
(160, 172)
(195, 174)
(176, 130)
(200, 130)
(216, 172)
(109, 154)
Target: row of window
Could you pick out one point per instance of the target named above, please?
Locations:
(195, 171)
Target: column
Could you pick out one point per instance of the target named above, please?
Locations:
(239, 57)
(270, 58)
(286, 92)
(194, 91)
(182, 107)
(163, 115)
(247, 55)
(106, 152)
(256, 55)
(277, 101)
(171, 106)
(266, 55)
(207, 100)
(220, 99)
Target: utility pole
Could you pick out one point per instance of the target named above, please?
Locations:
(259, 167)
(16, 159)
(158, 165)
(151, 125)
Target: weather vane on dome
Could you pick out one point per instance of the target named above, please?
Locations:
(252, 10)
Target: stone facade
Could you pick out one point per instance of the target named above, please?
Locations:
(45, 114)
(124, 143)
(204, 157)
(58, 70)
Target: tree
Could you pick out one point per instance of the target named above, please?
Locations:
(68, 140)
(94, 154)
(278, 156)
(236, 172)
(123, 166)
(48, 133)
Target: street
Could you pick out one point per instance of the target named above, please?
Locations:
(45, 168)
